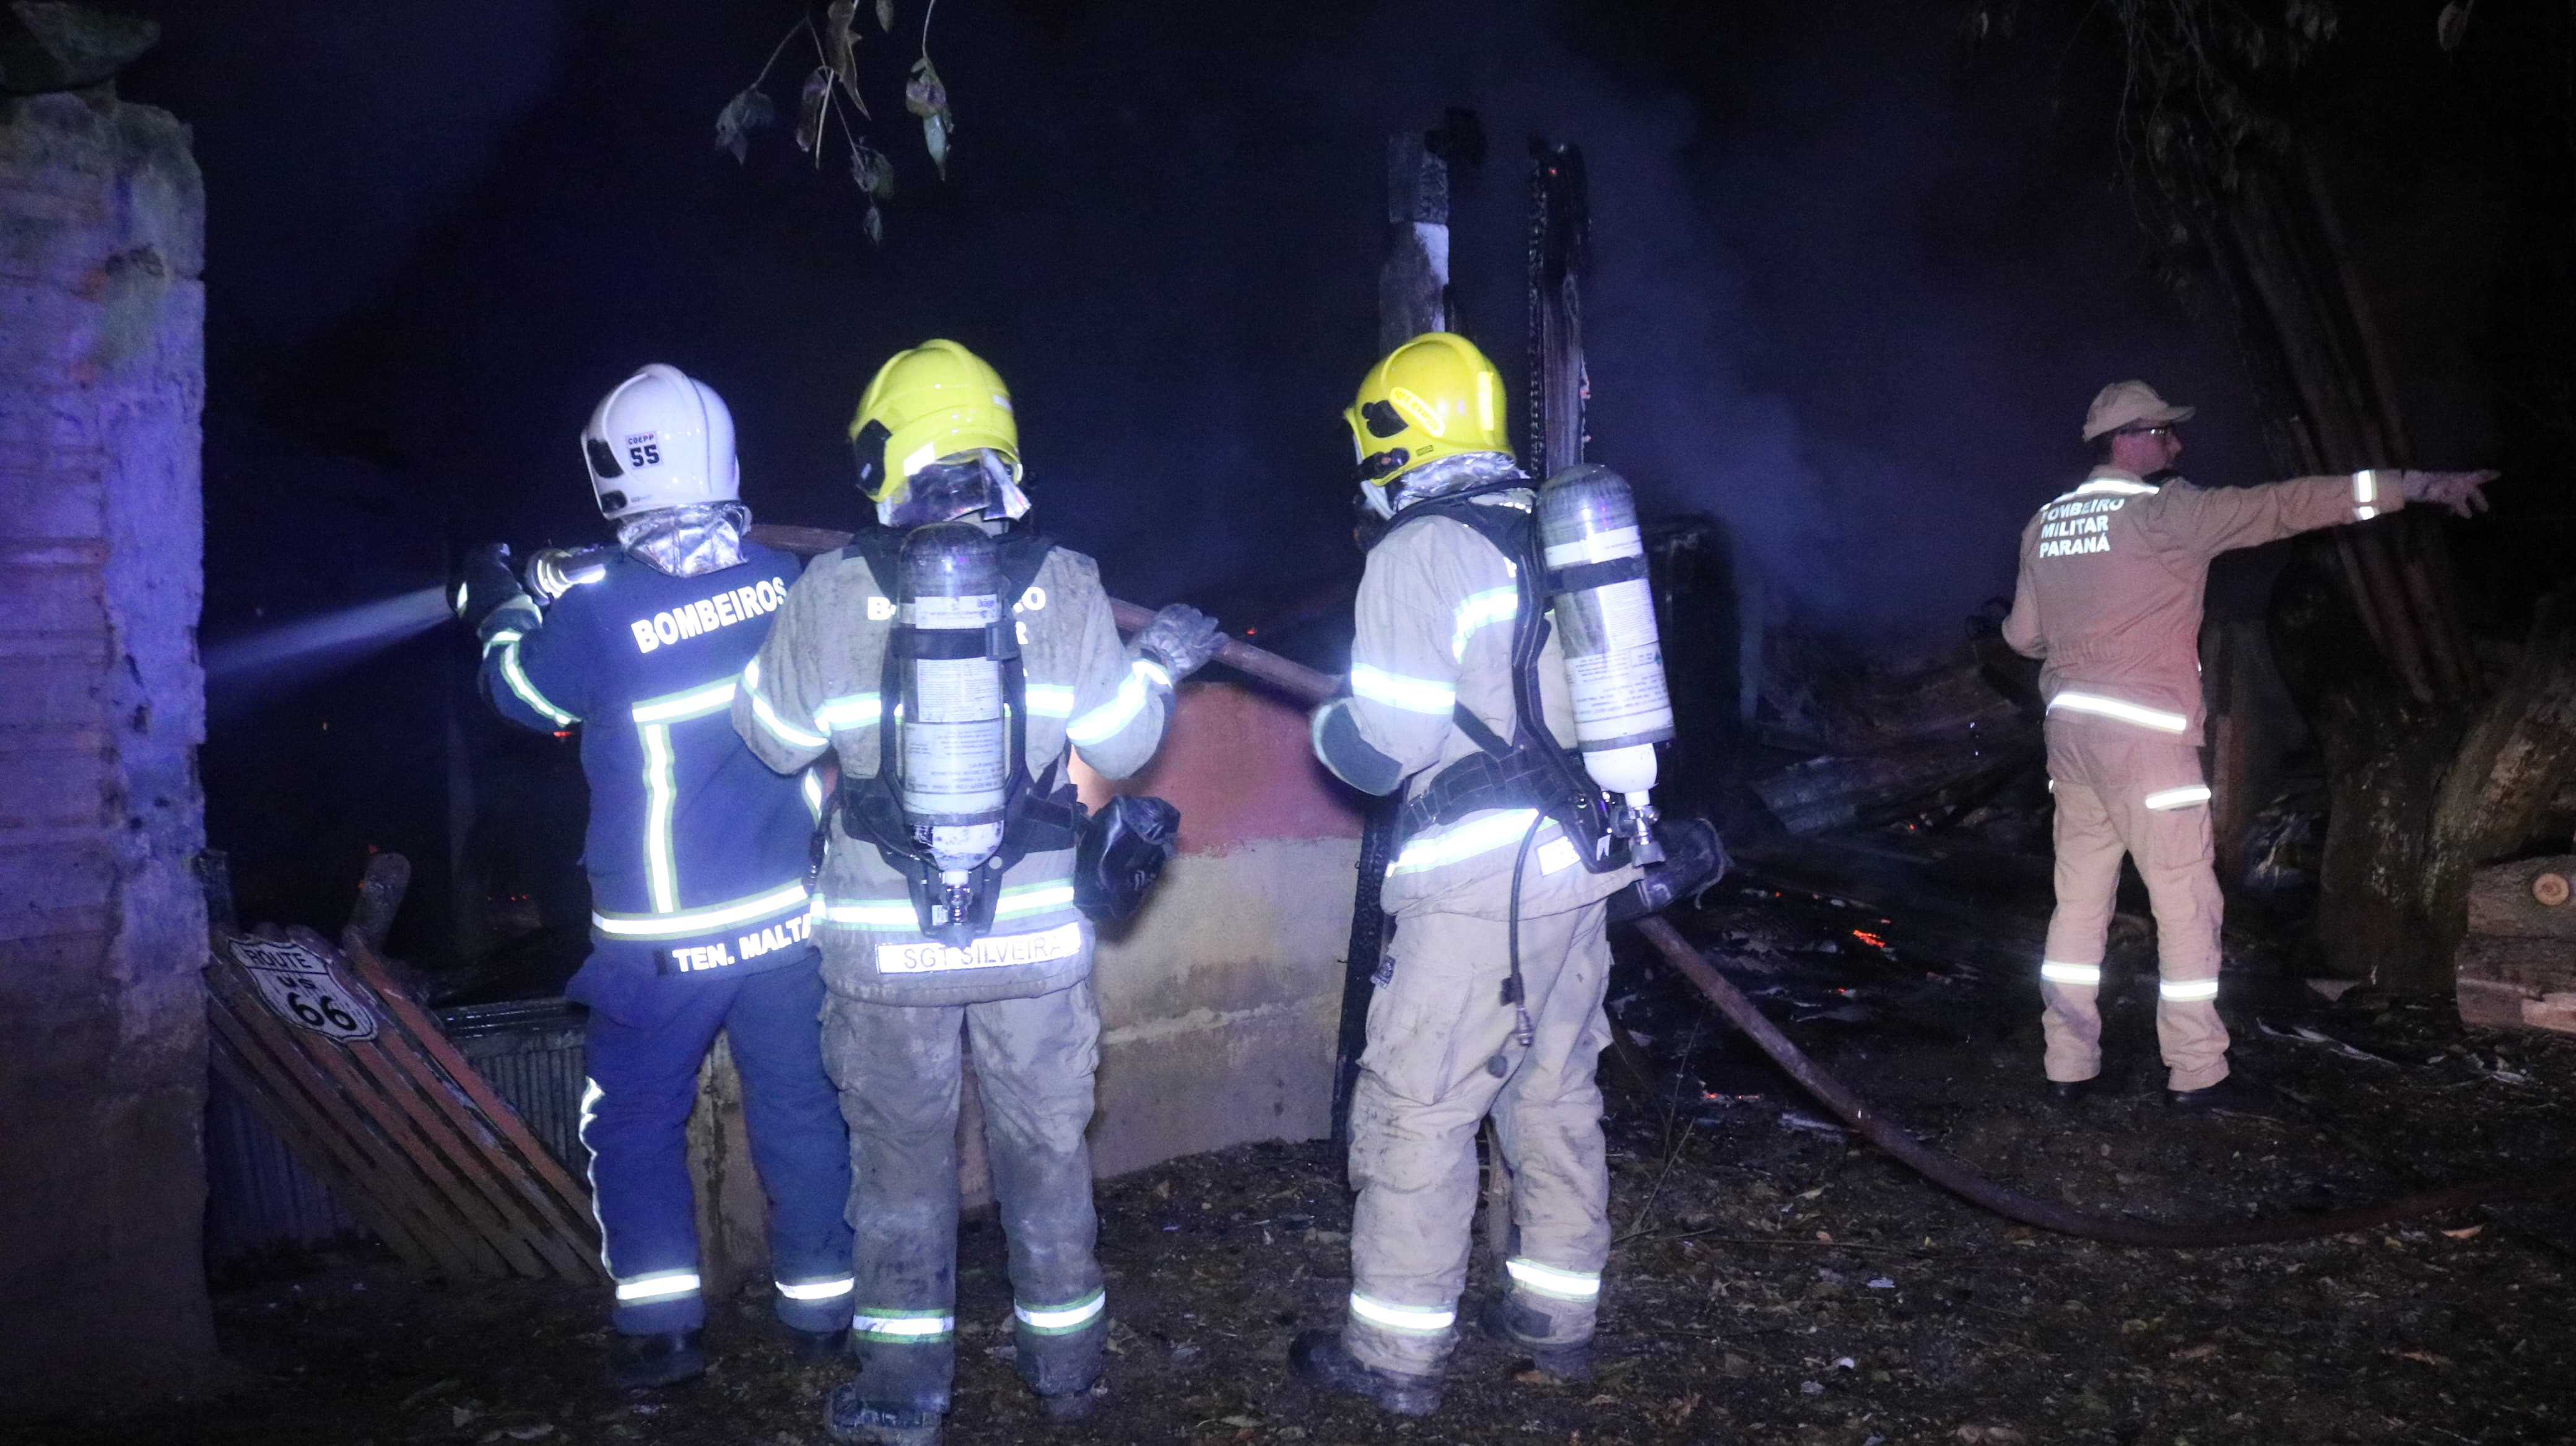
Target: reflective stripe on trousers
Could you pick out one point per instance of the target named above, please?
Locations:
(643, 1082)
(2118, 792)
(899, 1069)
(1547, 1280)
(1425, 1088)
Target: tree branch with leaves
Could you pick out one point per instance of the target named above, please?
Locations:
(831, 90)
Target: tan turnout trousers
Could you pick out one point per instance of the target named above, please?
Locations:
(1436, 1032)
(2119, 790)
(1436, 614)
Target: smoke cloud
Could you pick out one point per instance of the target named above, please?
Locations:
(1852, 291)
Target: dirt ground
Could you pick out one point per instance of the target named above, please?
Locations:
(1772, 1282)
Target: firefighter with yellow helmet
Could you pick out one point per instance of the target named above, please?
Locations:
(948, 660)
(1489, 1000)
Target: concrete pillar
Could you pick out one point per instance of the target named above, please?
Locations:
(102, 926)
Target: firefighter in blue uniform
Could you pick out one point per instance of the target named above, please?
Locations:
(697, 856)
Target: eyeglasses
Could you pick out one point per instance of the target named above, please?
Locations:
(2161, 429)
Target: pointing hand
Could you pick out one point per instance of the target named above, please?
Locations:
(2462, 492)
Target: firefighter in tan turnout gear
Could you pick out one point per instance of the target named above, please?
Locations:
(2109, 598)
(947, 660)
(1489, 999)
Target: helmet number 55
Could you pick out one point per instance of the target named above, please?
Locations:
(643, 454)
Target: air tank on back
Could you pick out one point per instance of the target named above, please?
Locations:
(954, 735)
(1605, 620)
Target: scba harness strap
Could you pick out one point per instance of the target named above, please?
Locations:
(1530, 769)
(1038, 815)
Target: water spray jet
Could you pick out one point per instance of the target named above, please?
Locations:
(331, 639)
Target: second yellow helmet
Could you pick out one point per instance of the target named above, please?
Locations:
(934, 401)
(1435, 396)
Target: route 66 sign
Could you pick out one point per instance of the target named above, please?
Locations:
(301, 989)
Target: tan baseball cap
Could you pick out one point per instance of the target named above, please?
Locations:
(2128, 404)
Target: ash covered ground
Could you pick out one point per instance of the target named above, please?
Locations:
(1773, 1281)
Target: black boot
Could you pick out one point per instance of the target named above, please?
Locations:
(663, 1359)
(1497, 1322)
(847, 1418)
(1064, 1370)
(1320, 1360)
(819, 1348)
(1066, 1407)
(2075, 1091)
(2233, 1095)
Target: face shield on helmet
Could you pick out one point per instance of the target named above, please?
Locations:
(661, 439)
(974, 485)
(1434, 397)
(935, 438)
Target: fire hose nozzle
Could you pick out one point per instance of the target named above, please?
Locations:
(558, 570)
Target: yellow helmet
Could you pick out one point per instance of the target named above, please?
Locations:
(934, 401)
(1435, 396)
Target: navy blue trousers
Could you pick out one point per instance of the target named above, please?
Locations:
(642, 1065)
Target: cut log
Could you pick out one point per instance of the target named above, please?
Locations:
(2517, 967)
(2508, 900)
(2551, 1011)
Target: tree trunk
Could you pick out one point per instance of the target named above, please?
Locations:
(2386, 752)
(2517, 754)
(2390, 685)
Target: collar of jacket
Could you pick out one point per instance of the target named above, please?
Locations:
(2157, 480)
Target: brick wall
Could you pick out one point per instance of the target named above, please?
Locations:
(102, 929)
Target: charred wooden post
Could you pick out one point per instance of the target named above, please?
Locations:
(1413, 285)
(732, 1213)
(380, 897)
(1413, 297)
(1560, 254)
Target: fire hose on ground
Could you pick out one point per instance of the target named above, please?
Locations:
(1935, 1165)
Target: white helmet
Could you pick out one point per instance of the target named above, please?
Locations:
(661, 439)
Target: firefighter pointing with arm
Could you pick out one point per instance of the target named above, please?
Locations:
(696, 857)
(1500, 625)
(2109, 598)
(949, 659)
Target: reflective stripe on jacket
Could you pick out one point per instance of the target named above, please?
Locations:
(696, 853)
(1436, 610)
(2112, 575)
(816, 684)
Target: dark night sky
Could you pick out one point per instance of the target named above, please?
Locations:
(1854, 286)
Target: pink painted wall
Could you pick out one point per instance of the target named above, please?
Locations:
(1238, 766)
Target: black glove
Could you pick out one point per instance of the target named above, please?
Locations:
(489, 587)
(1121, 853)
(1181, 638)
(1694, 858)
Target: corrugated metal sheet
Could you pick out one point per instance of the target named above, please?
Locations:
(530, 1050)
(260, 1196)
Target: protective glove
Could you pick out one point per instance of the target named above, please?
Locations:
(2462, 492)
(491, 596)
(1181, 638)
